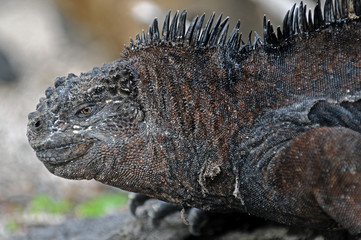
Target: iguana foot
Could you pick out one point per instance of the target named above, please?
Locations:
(207, 223)
(160, 210)
(157, 211)
(199, 222)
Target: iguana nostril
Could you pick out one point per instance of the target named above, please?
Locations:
(37, 125)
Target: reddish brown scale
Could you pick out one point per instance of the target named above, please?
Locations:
(329, 173)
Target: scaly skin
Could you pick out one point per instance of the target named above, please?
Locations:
(272, 129)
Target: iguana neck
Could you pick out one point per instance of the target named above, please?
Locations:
(187, 100)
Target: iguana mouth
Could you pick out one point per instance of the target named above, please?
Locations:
(63, 154)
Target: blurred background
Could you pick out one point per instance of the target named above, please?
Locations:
(43, 39)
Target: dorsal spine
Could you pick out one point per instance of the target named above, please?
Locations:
(296, 21)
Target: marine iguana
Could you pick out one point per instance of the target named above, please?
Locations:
(198, 119)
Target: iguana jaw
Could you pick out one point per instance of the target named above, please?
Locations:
(59, 144)
(63, 153)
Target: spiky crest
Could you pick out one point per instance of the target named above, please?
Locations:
(296, 21)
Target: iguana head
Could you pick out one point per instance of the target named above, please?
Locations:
(84, 119)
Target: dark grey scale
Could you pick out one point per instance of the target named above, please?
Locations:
(280, 35)
(357, 7)
(97, 90)
(338, 11)
(257, 41)
(132, 44)
(249, 38)
(317, 17)
(328, 12)
(212, 34)
(188, 36)
(305, 23)
(71, 75)
(112, 88)
(48, 92)
(149, 35)
(295, 22)
(223, 37)
(266, 30)
(300, 19)
(216, 32)
(142, 38)
(310, 25)
(59, 81)
(137, 40)
(272, 35)
(173, 28)
(197, 30)
(344, 11)
(233, 37)
(284, 24)
(165, 30)
(49, 103)
(155, 31)
(205, 33)
(246, 47)
(290, 23)
(181, 27)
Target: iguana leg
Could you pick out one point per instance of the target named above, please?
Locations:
(161, 210)
(193, 217)
(199, 222)
(325, 165)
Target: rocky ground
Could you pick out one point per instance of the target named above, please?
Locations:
(123, 226)
(37, 44)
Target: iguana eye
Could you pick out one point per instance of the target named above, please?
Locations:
(85, 110)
